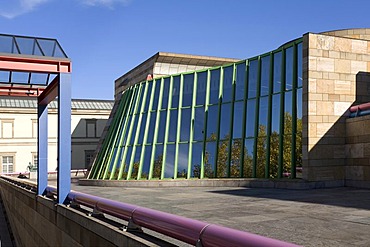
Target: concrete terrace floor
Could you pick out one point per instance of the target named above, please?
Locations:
(320, 217)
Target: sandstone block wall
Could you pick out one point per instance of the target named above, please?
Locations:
(333, 67)
(38, 221)
(358, 152)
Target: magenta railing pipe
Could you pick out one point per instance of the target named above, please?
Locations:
(184, 229)
(361, 107)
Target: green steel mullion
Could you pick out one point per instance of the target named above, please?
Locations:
(104, 149)
(122, 126)
(178, 126)
(219, 117)
(269, 117)
(246, 74)
(191, 137)
(256, 120)
(282, 113)
(155, 137)
(140, 115)
(167, 124)
(231, 124)
(145, 139)
(129, 133)
(294, 112)
(206, 102)
(113, 140)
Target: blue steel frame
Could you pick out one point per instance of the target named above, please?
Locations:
(61, 88)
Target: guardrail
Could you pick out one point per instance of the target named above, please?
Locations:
(190, 231)
(359, 110)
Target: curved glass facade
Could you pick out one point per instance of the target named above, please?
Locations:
(242, 120)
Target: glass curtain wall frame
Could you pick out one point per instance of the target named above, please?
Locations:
(238, 120)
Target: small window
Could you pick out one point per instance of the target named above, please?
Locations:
(7, 128)
(91, 128)
(89, 155)
(7, 164)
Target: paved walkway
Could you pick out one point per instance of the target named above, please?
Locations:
(321, 217)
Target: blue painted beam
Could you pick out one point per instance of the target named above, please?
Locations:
(42, 149)
(64, 137)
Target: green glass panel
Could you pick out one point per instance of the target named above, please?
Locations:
(215, 86)
(287, 155)
(299, 65)
(289, 68)
(209, 160)
(188, 88)
(252, 79)
(248, 158)
(158, 161)
(148, 95)
(227, 83)
(261, 156)
(173, 126)
(238, 119)
(240, 81)
(288, 113)
(263, 113)
(235, 162)
(170, 161)
(166, 92)
(182, 159)
(142, 128)
(156, 94)
(225, 121)
(198, 124)
(175, 92)
(153, 117)
(196, 160)
(162, 127)
(222, 159)
(250, 117)
(201, 87)
(212, 123)
(146, 162)
(265, 75)
(185, 124)
(136, 163)
(277, 72)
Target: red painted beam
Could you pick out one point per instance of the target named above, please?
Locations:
(35, 64)
(49, 93)
(20, 91)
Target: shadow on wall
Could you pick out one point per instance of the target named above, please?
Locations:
(335, 158)
(85, 138)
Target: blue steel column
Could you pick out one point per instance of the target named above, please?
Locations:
(64, 136)
(42, 149)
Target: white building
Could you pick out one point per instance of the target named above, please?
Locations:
(18, 132)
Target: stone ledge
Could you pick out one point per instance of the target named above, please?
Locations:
(295, 184)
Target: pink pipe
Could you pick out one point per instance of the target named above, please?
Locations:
(361, 107)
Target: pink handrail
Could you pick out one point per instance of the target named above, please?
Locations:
(184, 229)
(362, 107)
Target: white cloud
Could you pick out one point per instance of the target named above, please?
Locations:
(106, 3)
(14, 8)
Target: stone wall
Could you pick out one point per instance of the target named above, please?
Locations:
(332, 68)
(38, 221)
(358, 152)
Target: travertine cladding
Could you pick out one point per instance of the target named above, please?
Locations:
(333, 69)
(358, 152)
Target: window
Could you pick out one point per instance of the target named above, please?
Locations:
(35, 159)
(7, 128)
(91, 128)
(89, 155)
(8, 164)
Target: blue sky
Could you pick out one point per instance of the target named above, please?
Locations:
(107, 38)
